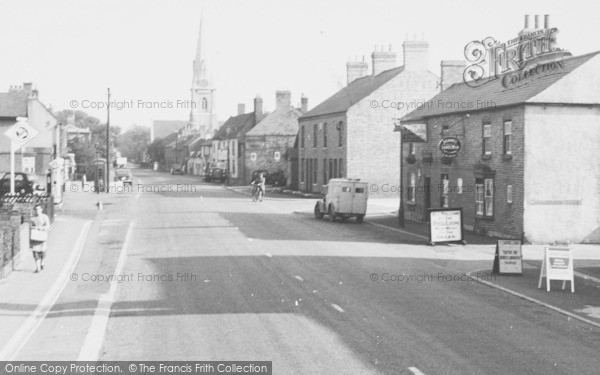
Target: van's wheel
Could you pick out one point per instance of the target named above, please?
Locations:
(318, 213)
(359, 218)
(331, 214)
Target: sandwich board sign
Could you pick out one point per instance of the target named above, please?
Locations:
(445, 226)
(509, 258)
(557, 265)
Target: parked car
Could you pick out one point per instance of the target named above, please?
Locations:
(344, 198)
(124, 175)
(176, 168)
(25, 183)
(215, 174)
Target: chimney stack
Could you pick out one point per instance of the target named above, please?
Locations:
(258, 109)
(356, 70)
(416, 55)
(452, 72)
(383, 60)
(537, 21)
(526, 26)
(283, 100)
(27, 86)
(241, 109)
(304, 104)
(546, 21)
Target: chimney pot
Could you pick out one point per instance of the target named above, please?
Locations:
(304, 104)
(537, 21)
(241, 108)
(546, 21)
(526, 21)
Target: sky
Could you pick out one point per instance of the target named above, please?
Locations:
(73, 50)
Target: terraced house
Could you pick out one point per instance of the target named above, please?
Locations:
(350, 133)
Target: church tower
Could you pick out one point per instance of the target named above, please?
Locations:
(202, 115)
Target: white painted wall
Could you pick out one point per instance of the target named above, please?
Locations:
(562, 173)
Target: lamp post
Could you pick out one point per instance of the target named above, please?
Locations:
(398, 128)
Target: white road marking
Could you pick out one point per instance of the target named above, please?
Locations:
(22, 336)
(337, 307)
(586, 277)
(399, 230)
(416, 371)
(90, 350)
(298, 278)
(250, 239)
(269, 255)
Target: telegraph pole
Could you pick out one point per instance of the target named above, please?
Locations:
(108, 143)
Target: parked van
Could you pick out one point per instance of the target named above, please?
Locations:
(344, 198)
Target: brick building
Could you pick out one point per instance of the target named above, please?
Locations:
(528, 166)
(36, 155)
(269, 142)
(349, 134)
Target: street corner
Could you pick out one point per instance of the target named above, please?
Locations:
(583, 304)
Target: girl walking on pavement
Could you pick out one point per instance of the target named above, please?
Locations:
(40, 225)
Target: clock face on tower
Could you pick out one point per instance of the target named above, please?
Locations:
(203, 83)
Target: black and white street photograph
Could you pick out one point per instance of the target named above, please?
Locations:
(302, 187)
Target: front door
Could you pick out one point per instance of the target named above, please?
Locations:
(426, 198)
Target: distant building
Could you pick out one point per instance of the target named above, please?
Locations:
(529, 161)
(228, 146)
(36, 155)
(350, 133)
(162, 128)
(268, 144)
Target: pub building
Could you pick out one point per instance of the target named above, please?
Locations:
(521, 157)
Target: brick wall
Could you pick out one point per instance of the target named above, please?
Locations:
(468, 165)
(332, 152)
(264, 147)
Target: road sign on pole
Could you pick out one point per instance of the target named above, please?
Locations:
(19, 134)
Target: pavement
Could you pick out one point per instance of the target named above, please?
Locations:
(268, 281)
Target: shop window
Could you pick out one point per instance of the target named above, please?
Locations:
(445, 191)
(487, 138)
(507, 137)
(412, 185)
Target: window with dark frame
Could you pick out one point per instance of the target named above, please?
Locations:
(340, 126)
(302, 137)
(335, 168)
(315, 130)
(315, 170)
(412, 184)
(484, 197)
(325, 135)
(302, 169)
(507, 137)
(331, 175)
(444, 201)
(341, 168)
(487, 138)
(324, 171)
(411, 148)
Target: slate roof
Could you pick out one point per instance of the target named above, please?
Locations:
(13, 104)
(357, 90)
(493, 91)
(233, 126)
(280, 122)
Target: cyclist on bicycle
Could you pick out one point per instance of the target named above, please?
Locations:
(259, 187)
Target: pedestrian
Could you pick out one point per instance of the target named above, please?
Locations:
(40, 225)
(261, 186)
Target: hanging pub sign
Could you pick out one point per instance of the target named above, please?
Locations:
(450, 146)
(509, 258)
(557, 265)
(414, 133)
(446, 226)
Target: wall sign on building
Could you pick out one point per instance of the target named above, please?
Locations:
(446, 226)
(509, 258)
(450, 146)
(557, 265)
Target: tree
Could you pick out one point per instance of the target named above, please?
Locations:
(134, 142)
(98, 130)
